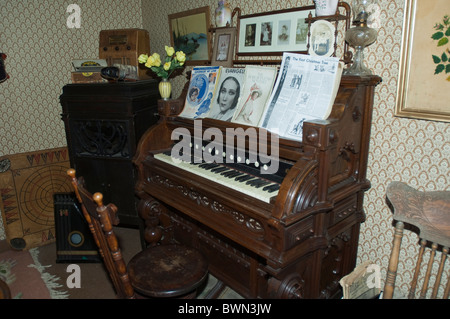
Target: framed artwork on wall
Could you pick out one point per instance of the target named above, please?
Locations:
(272, 33)
(322, 38)
(189, 32)
(423, 88)
(224, 43)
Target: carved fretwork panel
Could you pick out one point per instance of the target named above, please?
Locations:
(247, 223)
(101, 138)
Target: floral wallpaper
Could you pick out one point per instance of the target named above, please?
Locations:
(40, 47)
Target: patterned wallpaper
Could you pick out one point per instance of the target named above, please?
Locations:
(40, 47)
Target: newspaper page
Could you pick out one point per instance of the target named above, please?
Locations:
(305, 90)
(258, 85)
(362, 282)
(228, 91)
(201, 90)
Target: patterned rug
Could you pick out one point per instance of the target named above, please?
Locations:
(34, 274)
(22, 270)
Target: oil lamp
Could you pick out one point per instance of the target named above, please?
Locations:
(360, 36)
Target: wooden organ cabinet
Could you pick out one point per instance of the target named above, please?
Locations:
(103, 123)
(297, 244)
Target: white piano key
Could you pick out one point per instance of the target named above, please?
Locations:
(242, 187)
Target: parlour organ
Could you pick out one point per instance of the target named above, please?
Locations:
(289, 234)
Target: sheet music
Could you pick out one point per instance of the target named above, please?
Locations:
(228, 90)
(305, 89)
(258, 85)
(201, 91)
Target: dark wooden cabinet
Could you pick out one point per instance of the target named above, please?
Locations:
(103, 124)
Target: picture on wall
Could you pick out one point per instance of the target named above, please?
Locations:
(224, 43)
(189, 33)
(322, 38)
(423, 88)
(274, 33)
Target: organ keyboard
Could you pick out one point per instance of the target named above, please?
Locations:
(292, 233)
(235, 169)
(255, 186)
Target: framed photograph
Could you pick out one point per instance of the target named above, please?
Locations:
(273, 33)
(321, 41)
(224, 42)
(424, 75)
(189, 32)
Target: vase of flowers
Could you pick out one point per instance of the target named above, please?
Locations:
(172, 61)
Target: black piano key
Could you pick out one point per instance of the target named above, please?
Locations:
(235, 174)
(252, 181)
(209, 166)
(244, 178)
(271, 188)
(260, 183)
(229, 173)
(219, 169)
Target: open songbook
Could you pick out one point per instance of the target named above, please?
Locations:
(305, 89)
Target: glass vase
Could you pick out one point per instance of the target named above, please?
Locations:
(165, 88)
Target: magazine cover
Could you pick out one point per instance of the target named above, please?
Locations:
(201, 91)
(258, 84)
(227, 94)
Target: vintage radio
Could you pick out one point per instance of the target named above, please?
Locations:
(123, 46)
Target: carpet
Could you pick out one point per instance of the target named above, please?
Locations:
(94, 279)
(27, 184)
(27, 278)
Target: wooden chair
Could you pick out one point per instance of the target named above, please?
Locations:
(161, 271)
(429, 212)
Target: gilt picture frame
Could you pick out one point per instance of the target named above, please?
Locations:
(224, 45)
(189, 32)
(424, 72)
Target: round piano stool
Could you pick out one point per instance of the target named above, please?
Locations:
(184, 269)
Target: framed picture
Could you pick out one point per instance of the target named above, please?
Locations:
(321, 41)
(424, 76)
(189, 32)
(274, 32)
(224, 42)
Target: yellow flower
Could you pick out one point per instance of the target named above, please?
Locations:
(181, 57)
(157, 59)
(153, 60)
(143, 58)
(149, 62)
(169, 50)
(163, 68)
